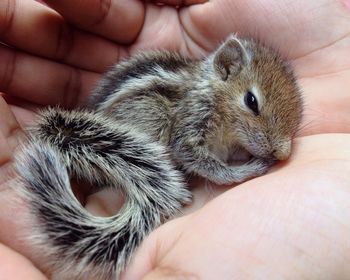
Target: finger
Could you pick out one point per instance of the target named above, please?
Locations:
(25, 112)
(179, 3)
(326, 104)
(52, 37)
(105, 203)
(14, 266)
(289, 24)
(116, 20)
(152, 250)
(42, 81)
(11, 210)
(10, 131)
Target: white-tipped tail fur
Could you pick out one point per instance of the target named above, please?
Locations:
(77, 241)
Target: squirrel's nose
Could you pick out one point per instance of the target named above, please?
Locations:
(282, 150)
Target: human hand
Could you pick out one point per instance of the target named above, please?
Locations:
(61, 63)
(293, 223)
(190, 31)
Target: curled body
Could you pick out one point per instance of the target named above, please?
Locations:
(151, 116)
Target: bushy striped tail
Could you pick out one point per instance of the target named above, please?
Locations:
(77, 242)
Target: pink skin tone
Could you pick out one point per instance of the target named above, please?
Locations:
(293, 223)
(347, 3)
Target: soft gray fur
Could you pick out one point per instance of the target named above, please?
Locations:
(149, 114)
(103, 155)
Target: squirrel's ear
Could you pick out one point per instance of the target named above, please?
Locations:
(230, 58)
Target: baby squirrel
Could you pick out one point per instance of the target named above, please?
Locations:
(151, 117)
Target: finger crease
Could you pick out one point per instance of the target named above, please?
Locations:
(345, 36)
(105, 7)
(65, 42)
(14, 131)
(9, 17)
(72, 89)
(9, 71)
(128, 52)
(180, 3)
(187, 36)
(14, 135)
(176, 273)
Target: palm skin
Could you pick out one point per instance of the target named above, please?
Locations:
(291, 223)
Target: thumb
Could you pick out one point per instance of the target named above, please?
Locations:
(149, 260)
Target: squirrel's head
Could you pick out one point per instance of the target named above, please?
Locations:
(257, 97)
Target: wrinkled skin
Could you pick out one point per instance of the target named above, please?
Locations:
(292, 223)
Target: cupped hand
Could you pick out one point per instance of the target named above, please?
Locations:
(56, 55)
(293, 223)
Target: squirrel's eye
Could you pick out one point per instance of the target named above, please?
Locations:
(251, 102)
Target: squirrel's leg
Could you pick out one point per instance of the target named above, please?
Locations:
(198, 160)
(192, 152)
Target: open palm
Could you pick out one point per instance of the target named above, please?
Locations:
(291, 218)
